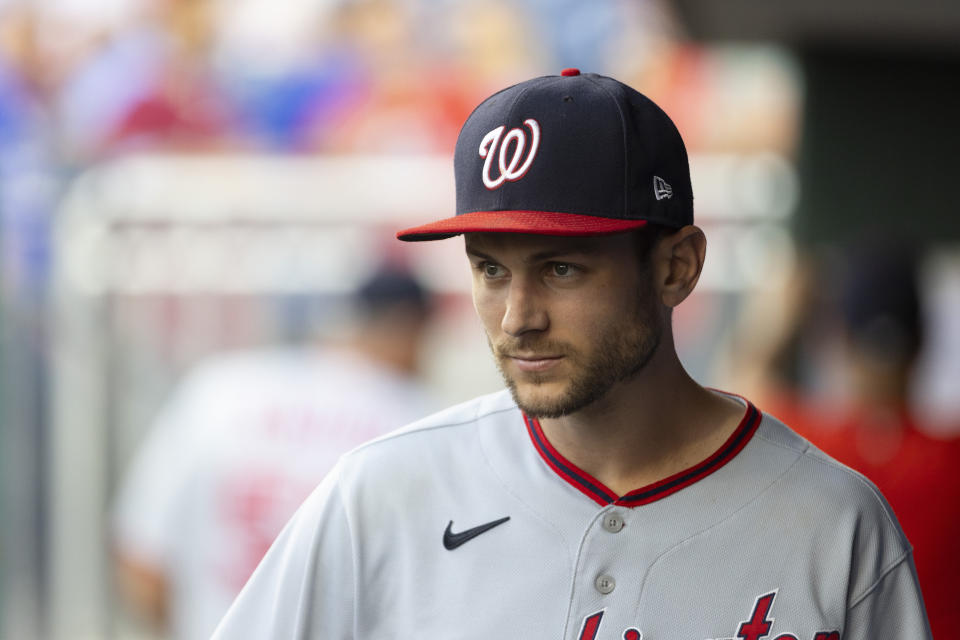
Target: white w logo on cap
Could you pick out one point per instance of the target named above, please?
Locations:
(512, 170)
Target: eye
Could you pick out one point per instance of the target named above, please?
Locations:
(562, 269)
(490, 270)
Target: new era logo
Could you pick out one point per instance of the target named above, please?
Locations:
(661, 189)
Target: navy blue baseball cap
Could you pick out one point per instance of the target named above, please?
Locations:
(577, 154)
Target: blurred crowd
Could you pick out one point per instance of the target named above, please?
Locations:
(100, 78)
(85, 81)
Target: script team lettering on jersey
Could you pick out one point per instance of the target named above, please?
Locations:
(757, 627)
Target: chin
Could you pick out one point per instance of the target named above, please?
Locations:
(537, 401)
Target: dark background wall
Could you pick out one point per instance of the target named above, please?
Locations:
(880, 141)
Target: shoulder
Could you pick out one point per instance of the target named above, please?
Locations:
(247, 363)
(471, 412)
(448, 427)
(232, 376)
(277, 366)
(842, 509)
(444, 444)
(816, 475)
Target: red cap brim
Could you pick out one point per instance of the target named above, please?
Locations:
(545, 223)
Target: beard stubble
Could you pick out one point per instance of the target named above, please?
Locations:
(620, 353)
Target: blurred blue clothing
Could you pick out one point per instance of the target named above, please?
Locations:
(285, 111)
(104, 88)
(28, 187)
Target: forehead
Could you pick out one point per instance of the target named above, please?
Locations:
(530, 246)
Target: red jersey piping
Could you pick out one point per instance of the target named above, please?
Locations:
(602, 495)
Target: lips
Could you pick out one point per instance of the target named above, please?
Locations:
(534, 363)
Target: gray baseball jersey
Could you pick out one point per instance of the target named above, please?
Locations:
(469, 524)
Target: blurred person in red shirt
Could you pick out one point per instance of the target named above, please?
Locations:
(875, 327)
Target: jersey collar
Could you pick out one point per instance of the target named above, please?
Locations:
(602, 495)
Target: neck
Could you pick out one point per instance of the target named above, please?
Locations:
(645, 429)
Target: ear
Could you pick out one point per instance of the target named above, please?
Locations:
(677, 262)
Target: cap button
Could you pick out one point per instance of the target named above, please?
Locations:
(571, 71)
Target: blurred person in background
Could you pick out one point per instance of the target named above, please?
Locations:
(244, 440)
(840, 367)
(144, 82)
(290, 75)
(881, 326)
(411, 60)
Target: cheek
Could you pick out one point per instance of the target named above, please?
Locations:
(489, 307)
(612, 309)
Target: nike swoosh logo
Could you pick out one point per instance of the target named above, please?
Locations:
(453, 540)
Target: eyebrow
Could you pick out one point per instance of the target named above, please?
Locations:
(478, 254)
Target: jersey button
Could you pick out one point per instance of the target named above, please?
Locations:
(605, 584)
(613, 522)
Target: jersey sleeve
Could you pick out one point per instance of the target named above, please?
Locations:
(305, 586)
(892, 608)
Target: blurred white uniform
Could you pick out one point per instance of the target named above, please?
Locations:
(244, 440)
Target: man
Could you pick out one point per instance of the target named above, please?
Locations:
(607, 496)
(244, 440)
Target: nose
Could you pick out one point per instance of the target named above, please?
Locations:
(524, 310)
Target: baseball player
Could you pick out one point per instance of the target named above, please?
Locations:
(246, 437)
(605, 495)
